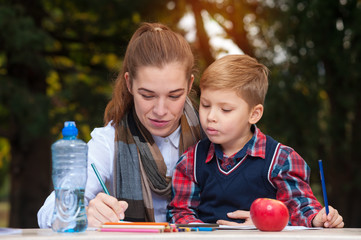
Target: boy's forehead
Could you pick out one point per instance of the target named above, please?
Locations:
(219, 94)
(216, 91)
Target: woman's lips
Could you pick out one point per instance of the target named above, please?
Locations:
(158, 123)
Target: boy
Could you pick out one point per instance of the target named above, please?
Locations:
(218, 179)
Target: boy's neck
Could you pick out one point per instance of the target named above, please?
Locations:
(231, 149)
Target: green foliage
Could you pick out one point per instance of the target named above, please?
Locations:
(58, 60)
(313, 103)
(21, 45)
(4, 164)
(314, 93)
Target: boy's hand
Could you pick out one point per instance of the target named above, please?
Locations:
(332, 220)
(239, 214)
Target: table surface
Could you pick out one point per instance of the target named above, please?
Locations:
(319, 234)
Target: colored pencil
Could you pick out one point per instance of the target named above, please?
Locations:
(137, 230)
(135, 226)
(323, 183)
(138, 223)
(100, 179)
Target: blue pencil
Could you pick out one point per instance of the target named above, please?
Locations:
(323, 186)
(100, 179)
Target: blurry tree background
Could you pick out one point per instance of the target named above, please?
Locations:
(58, 60)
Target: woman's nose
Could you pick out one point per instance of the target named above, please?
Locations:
(160, 107)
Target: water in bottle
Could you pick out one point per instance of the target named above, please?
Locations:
(69, 173)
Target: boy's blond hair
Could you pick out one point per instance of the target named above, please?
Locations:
(241, 73)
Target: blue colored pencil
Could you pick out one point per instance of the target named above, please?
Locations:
(323, 186)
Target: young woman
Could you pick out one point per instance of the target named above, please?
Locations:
(149, 123)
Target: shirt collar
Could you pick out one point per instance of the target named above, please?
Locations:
(173, 138)
(255, 147)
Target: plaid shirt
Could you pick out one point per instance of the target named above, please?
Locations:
(289, 175)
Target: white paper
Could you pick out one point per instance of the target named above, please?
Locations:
(9, 231)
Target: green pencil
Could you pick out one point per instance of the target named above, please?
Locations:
(99, 178)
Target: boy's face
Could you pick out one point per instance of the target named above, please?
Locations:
(226, 119)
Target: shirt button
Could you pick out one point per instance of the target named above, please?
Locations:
(166, 140)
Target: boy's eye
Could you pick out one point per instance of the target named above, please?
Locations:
(204, 105)
(226, 110)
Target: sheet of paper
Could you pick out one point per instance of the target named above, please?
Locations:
(252, 227)
(9, 231)
(241, 227)
(293, 228)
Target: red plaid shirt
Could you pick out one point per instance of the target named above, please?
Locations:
(289, 175)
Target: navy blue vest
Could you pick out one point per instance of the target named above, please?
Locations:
(223, 192)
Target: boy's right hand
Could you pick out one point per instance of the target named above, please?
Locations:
(332, 220)
(105, 208)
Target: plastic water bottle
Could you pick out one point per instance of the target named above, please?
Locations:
(69, 173)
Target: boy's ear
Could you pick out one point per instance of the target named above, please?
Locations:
(256, 114)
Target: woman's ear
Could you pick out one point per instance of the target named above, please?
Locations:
(127, 81)
(256, 114)
(190, 83)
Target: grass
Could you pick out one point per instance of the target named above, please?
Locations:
(4, 214)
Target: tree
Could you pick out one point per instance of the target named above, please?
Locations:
(313, 102)
(57, 62)
(321, 44)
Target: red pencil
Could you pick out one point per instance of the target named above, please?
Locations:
(137, 223)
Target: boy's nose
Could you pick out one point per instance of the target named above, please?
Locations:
(211, 115)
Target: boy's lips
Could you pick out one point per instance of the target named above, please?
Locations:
(211, 131)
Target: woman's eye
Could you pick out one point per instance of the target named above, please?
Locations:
(204, 105)
(175, 96)
(147, 96)
(226, 110)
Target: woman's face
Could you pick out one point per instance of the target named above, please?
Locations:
(159, 96)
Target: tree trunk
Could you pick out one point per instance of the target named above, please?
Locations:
(30, 177)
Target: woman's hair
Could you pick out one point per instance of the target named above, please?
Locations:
(152, 44)
(240, 73)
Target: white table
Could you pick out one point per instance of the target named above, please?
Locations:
(319, 234)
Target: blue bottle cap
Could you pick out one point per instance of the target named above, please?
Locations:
(69, 129)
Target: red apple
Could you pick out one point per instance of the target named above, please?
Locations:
(269, 214)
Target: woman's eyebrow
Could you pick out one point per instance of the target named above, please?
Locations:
(177, 90)
(146, 90)
(173, 91)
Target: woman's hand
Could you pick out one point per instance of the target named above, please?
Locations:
(239, 214)
(332, 220)
(105, 208)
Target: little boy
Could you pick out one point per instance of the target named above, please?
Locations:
(217, 180)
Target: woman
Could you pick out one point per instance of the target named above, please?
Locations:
(149, 122)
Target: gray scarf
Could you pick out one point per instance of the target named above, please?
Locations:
(139, 166)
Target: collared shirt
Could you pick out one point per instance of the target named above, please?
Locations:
(289, 174)
(169, 147)
(101, 153)
(227, 163)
